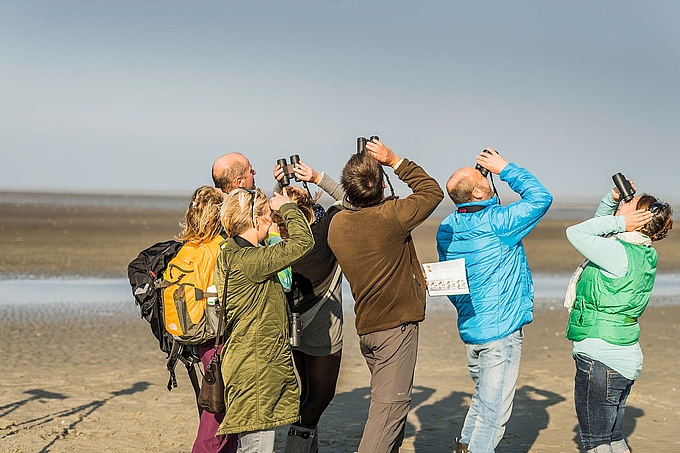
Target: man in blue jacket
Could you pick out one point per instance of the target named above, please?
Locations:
(501, 300)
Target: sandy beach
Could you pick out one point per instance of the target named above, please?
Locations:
(83, 378)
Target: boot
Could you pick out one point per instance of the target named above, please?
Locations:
(461, 448)
(301, 439)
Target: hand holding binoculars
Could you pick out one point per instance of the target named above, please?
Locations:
(482, 170)
(288, 170)
(361, 142)
(626, 191)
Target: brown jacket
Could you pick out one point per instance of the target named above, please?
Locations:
(376, 253)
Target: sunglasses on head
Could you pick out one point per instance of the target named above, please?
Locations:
(253, 194)
(655, 207)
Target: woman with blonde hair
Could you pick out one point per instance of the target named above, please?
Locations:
(261, 391)
(202, 217)
(202, 225)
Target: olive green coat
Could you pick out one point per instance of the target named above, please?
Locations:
(261, 390)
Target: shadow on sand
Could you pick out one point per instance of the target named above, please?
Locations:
(441, 421)
(81, 412)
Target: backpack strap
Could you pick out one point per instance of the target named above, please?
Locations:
(161, 283)
(193, 377)
(174, 355)
(178, 353)
(190, 361)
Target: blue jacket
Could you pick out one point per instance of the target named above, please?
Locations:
(501, 298)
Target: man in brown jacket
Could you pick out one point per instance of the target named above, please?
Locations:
(372, 242)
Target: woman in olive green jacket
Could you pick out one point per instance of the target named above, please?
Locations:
(261, 390)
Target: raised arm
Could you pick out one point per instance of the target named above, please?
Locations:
(588, 239)
(417, 207)
(610, 201)
(306, 173)
(515, 221)
(331, 187)
(258, 263)
(607, 206)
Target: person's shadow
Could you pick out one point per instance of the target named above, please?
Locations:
(79, 413)
(35, 395)
(529, 417)
(440, 423)
(347, 415)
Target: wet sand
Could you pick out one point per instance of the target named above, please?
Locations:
(84, 378)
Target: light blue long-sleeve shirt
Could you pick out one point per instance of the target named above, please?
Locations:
(588, 238)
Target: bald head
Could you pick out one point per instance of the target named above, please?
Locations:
(467, 185)
(231, 171)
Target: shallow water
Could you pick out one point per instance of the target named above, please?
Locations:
(575, 209)
(549, 291)
(96, 200)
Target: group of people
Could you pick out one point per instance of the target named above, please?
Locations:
(287, 254)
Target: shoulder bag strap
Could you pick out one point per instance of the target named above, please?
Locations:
(223, 303)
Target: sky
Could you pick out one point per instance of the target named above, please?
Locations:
(142, 97)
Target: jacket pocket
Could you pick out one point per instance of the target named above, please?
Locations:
(421, 293)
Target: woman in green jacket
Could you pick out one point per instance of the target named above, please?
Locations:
(261, 391)
(607, 294)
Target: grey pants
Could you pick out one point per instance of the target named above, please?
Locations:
(256, 441)
(391, 358)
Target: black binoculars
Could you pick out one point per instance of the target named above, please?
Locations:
(295, 324)
(288, 170)
(361, 142)
(482, 170)
(626, 191)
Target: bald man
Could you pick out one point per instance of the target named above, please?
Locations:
(501, 300)
(233, 170)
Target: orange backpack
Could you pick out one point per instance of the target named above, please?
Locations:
(189, 296)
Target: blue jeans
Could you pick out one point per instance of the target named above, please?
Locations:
(600, 395)
(256, 441)
(494, 367)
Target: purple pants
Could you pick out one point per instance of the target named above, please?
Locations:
(206, 440)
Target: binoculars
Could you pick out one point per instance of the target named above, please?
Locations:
(626, 191)
(361, 142)
(288, 170)
(295, 324)
(481, 169)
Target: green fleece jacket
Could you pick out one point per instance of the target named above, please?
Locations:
(261, 390)
(376, 253)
